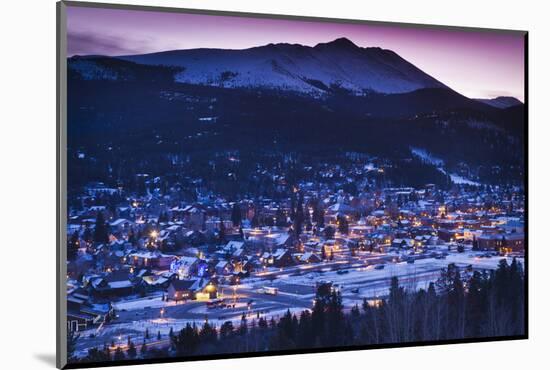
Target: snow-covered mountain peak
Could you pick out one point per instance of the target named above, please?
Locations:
(334, 65)
(340, 43)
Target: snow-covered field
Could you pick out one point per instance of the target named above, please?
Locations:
(429, 158)
(143, 303)
(371, 282)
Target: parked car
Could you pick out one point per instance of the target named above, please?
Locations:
(270, 290)
(218, 303)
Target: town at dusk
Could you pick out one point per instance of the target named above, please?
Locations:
(315, 186)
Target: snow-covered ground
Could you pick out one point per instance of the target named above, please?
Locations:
(427, 157)
(457, 179)
(372, 282)
(439, 163)
(142, 303)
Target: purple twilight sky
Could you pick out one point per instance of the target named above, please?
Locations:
(476, 64)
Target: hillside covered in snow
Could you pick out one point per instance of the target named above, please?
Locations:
(339, 64)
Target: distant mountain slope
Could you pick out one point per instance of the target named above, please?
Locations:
(501, 102)
(100, 68)
(334, 96)
(339, 64)
(410, 104)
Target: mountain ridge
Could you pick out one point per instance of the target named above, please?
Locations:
(338, 64)
(501, 102)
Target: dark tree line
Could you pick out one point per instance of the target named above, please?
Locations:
(458, 305)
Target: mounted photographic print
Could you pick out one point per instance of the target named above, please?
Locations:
(236, 185)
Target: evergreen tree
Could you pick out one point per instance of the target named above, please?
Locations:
(321, 218)
(475, 244)
(131, 352)
(241, 233)
(236, 216)
(243, 328)
(292, 206)
(208, 333)
(304, 336)
(319, 310)
(309, 225)
(446, 280)
(95, 355)
(87, 235)
(475, 303)
(396, 292)
(119, 355)
(335, 319)
(343, 225)
(226, 329)
(329, 232)
(456, 310)
(255, 222)
(187, 341)
(132, 239)
(299, 215)
(72, 246)
(516, 296)
(286, 326)
(355, 313)
(101, 232)
(143, 350)
(280, 218)
(221, 234)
